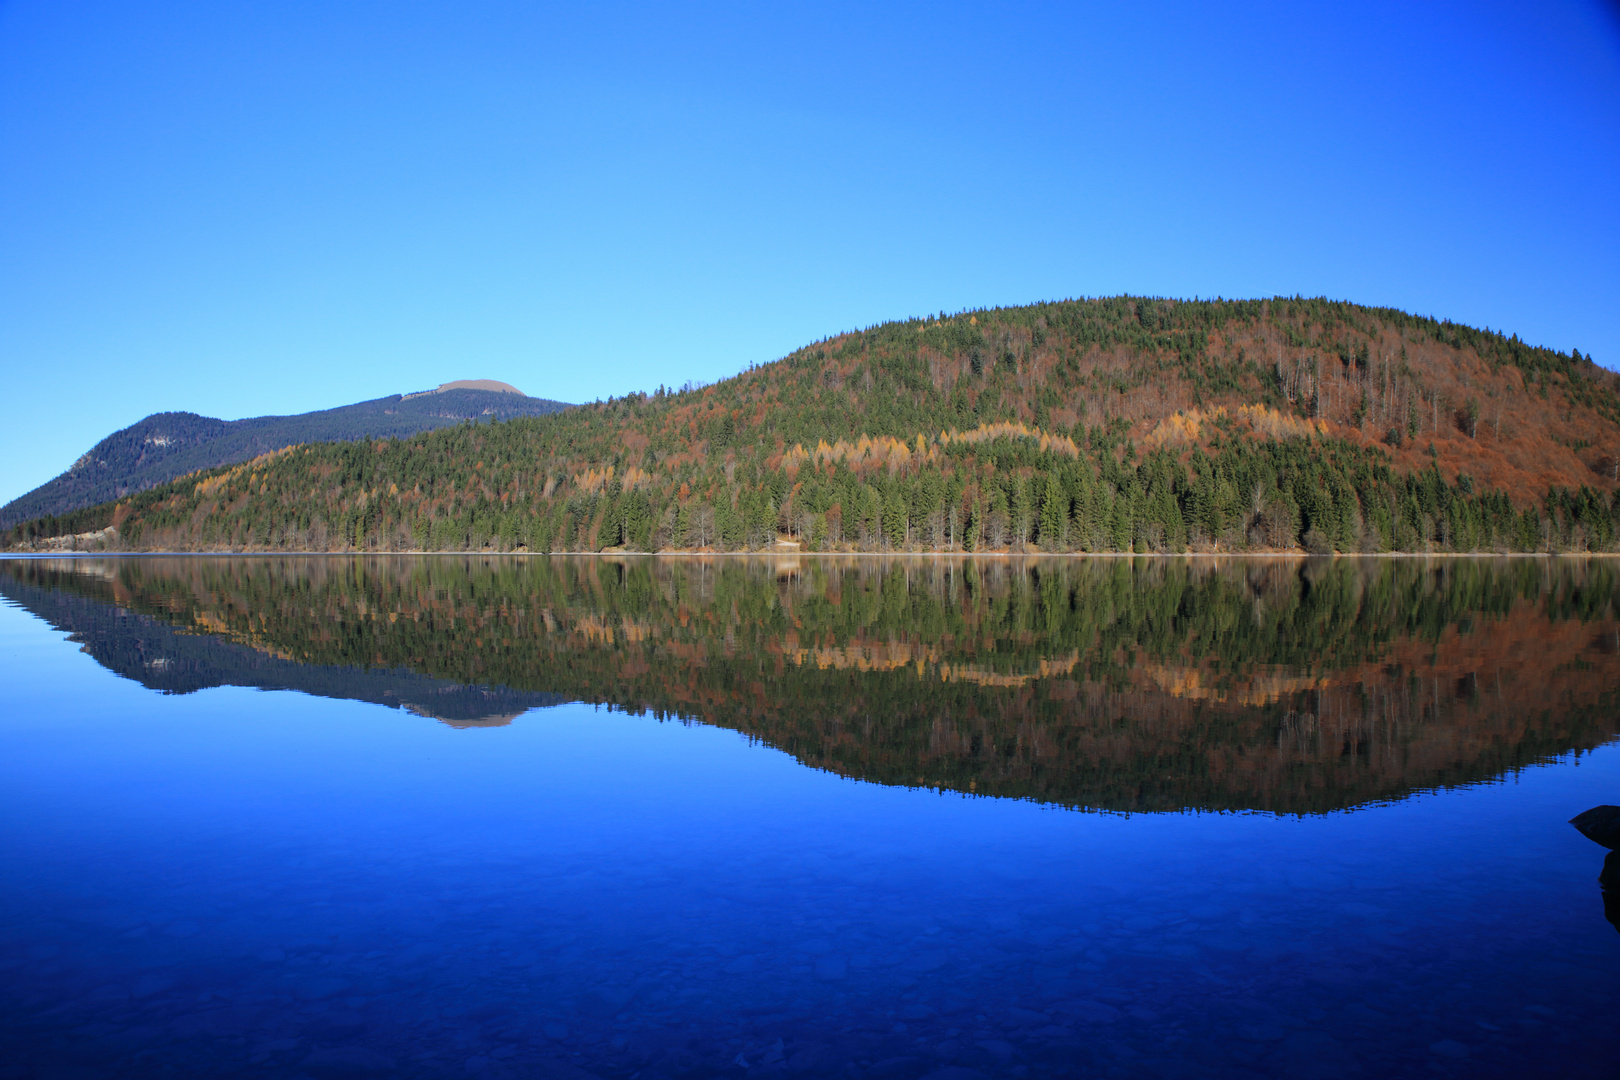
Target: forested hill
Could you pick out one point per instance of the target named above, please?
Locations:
(166, 445)
(1093, 425)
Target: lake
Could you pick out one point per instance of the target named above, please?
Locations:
(651, 817)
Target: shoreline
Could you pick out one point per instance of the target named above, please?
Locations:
(790, 554)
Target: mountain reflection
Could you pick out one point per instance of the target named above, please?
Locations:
(1116, 684)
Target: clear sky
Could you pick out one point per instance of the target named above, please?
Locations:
(249, 208)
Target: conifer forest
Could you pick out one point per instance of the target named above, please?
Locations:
(1123, 424)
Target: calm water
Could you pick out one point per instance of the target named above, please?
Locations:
(673, 818)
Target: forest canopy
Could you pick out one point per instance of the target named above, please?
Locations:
(1118, 424)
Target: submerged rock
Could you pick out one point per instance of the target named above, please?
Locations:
(1601, 825)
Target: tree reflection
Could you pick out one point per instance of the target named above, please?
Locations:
(1118, 684)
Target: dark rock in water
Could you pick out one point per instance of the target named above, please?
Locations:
(1601, 824)
(1609, 882)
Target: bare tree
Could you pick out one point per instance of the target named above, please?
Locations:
(703, 525)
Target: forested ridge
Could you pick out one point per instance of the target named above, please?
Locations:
(1119, 424)
(167, 445)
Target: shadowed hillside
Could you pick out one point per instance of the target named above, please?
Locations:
(166, 445)
(1124, 424)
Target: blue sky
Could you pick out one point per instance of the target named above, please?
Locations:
(240, 208)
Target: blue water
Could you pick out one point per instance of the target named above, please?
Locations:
(237, 882)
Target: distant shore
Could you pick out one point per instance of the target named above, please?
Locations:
(793, 554)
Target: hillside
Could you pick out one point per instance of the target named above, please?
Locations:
(166, 445)
(1125, 423)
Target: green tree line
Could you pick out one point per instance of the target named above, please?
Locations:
(1020, 429)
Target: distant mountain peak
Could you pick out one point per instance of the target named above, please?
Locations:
(165, 445)
(468, 384)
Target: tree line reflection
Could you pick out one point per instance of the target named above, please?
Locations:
(1116, 684)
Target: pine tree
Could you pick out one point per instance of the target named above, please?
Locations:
(1054, 512)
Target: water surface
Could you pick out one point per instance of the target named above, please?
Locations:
(506, 817)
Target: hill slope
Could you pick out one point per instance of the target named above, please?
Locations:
(166, 445)
(1093, 425)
